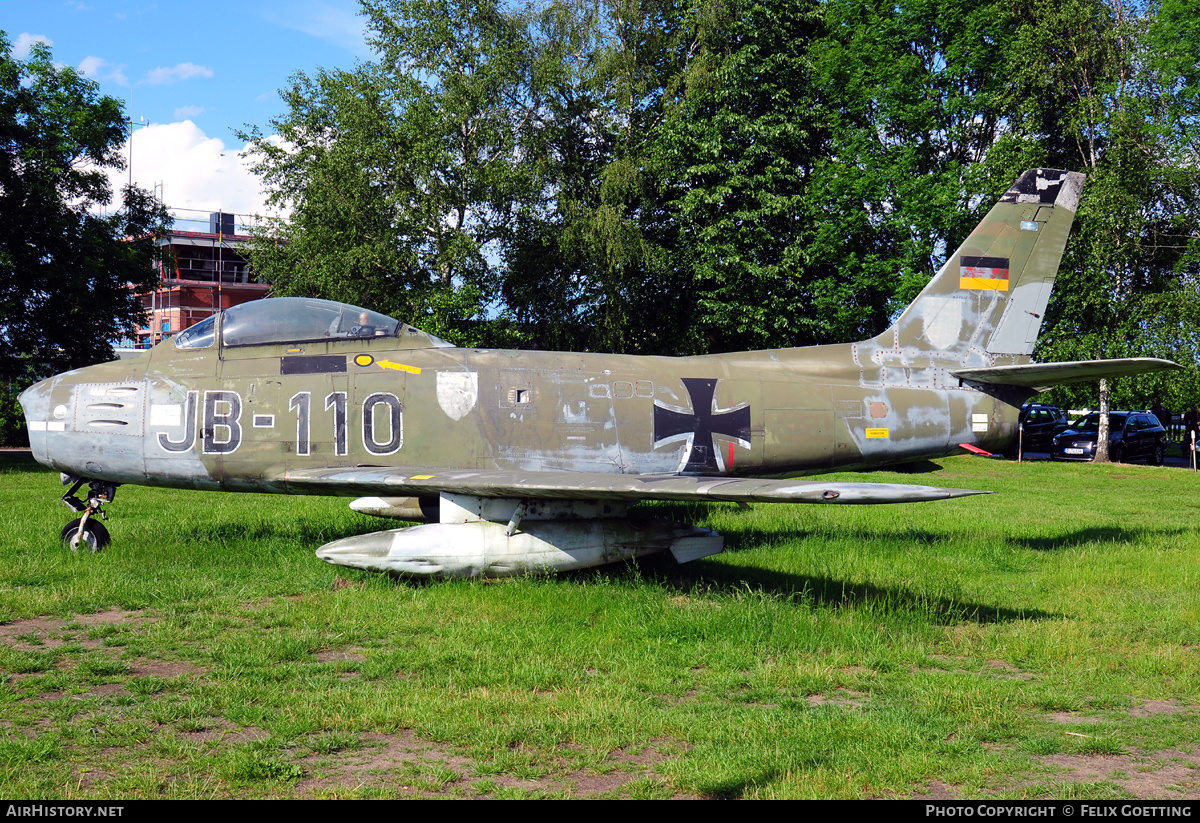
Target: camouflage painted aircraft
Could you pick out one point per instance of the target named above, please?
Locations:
(525, 462)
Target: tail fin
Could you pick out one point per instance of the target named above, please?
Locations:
(986, 304)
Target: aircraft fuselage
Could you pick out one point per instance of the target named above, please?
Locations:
(237, 418)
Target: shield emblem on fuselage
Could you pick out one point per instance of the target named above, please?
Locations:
(457, 393)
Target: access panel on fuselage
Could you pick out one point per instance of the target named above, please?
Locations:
(798, 422)
(586, 425)
(877, 425)
(545, 412)
(176, 383)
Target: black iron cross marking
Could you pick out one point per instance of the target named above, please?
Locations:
(700, 427)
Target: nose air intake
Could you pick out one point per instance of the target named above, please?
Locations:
(35, 403)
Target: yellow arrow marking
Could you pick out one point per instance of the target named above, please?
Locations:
(388, 364)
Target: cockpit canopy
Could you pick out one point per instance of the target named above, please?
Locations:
(291, 320)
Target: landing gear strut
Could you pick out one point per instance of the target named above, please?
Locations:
(87, 531)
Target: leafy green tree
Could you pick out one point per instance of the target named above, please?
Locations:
(735, 155)
(335, 167)
(920, 145)
(1114, 87)
(69, 277)
(401, 174)
(666, 138)
(584, 262)
(817, 160)
(677, 176)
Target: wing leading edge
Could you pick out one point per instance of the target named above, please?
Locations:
(556, 485)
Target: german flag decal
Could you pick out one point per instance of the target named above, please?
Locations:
(983, 273)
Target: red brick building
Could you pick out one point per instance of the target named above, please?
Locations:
(202, 271)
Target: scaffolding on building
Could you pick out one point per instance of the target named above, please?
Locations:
(201, 272)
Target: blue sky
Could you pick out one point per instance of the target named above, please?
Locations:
(194, 72)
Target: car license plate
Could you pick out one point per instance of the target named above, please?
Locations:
(1073, 451)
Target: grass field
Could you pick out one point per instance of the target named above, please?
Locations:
(1039, 642)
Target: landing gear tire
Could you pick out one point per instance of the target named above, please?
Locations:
(94, 536)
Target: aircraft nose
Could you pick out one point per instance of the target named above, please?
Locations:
(89, 421)
(35, 402)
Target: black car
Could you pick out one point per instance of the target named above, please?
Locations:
(1039, 424)
(1131, 436)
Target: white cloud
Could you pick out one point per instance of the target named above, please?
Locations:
(24, 44)
(196, 171)
(183, 71)
(91, 66)
(97, 68)
(337, 22)
(188, 112)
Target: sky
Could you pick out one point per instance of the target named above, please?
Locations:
(190, 76)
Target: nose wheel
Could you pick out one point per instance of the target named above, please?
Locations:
(87, 531)
(85, 534)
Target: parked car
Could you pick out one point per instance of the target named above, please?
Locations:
(1039, 424)
(1131, 436)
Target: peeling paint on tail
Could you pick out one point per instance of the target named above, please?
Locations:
(987, 302)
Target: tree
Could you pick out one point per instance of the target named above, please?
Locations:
(818, 160)
(586, 264)
(70, 278)
(735, 156)
(1112, 88)
(401, 174)
(919, 146)
(689, 176)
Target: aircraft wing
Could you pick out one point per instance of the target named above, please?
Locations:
(560, 485)
(1035, 375)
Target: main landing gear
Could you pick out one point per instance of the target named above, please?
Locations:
(87, 532)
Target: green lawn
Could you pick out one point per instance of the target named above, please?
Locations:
(1041, 641)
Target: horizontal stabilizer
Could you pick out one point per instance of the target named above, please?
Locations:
(558, 485)
(1034, 375)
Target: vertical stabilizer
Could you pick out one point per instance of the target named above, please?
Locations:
(986, 304)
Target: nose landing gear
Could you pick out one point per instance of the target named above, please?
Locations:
(86, 531)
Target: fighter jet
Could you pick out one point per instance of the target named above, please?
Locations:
(524, 462)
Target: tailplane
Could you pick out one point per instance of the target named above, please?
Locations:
(1040, 376)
